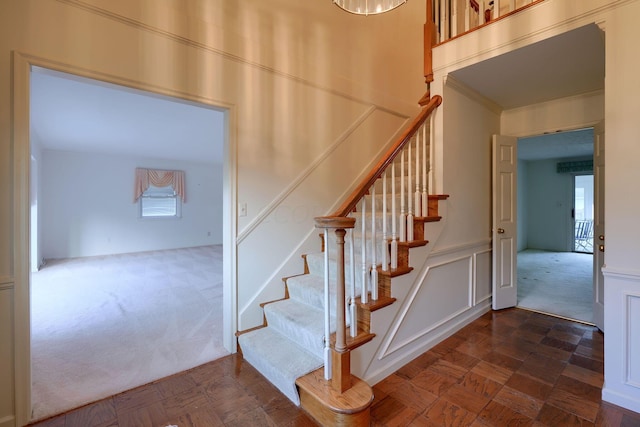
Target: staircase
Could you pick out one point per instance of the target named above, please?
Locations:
(290, 349)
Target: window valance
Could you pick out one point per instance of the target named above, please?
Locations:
(159, 178)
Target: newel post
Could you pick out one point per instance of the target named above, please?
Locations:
(340, 355)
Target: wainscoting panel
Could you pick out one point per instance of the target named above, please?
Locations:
(482, 278)
(6, 354)
(622, 338)
(439, 295)
(633, 352)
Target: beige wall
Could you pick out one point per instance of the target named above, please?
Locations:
(307, 87)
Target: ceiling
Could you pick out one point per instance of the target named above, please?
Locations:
(71, 113)
(565, 65)
(568, 64)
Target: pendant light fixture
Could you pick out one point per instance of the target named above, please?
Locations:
(368, 7)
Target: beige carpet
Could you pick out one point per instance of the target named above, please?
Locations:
(559, 283)
(102, 325)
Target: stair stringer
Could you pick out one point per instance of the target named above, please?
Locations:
(385, 354)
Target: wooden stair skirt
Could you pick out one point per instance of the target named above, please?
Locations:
(331, 408)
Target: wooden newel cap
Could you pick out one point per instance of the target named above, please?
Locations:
(335, 222)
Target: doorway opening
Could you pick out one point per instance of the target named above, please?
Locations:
(119, 300)
(583, 213)
(555, 224)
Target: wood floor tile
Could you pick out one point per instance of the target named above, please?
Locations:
(517, 349)
(58, 421)
(201, 417)
(557, 343)
(519, 402)
(590, 352)
(511, 367)
(477, 349)
(384, 410)
(577, 405)
(152, 415)
(542, 368)
(587, 363)
(174, 385)
(250, 417)
(445, 413)
(567, 335)
(530, 386)
(414, 397)
(466, 399)
(587, 376)
(579, 388)
(460, 359)
(503, 360)
(390, 383)
(552, 416)
(96, 414)
(186, 402)
(417, 365)
(534, 328)
(498, 415)
(434, 382)
(495, 373)
(447, 368)
(138, 397)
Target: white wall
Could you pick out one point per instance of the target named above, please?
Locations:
(467, 165)
(549, 203)
(88, 209)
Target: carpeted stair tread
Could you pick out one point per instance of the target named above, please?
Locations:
(309, 289)
(301, 323)
(278, 358)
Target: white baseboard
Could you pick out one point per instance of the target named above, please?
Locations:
(440, 334)
(9, 421)
(618, 399)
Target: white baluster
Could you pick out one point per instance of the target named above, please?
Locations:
(410, 213)
(425, 196)
(385, 237)
(418, 205)
(374, 264)
(352, 286)
(363, 294)
(445, 13)
(431, 184)
(468, 11)
(394, 220)
(496, 8)
(327, 314)
(403, 213)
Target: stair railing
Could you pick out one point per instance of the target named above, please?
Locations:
(453, 18)
(413, 149)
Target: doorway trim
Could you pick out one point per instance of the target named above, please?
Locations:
(20, 146)
(589, 124)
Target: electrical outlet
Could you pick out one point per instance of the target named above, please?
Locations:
(243, 209)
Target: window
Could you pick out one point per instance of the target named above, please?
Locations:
(160, 193)
(160, 202)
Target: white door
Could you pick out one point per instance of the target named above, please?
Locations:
(504, 181)
(598, 225)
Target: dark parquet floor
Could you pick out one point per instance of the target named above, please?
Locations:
(508, 368)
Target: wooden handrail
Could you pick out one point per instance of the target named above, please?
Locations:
(350, 203)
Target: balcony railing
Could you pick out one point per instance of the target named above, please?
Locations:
(453, 18)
